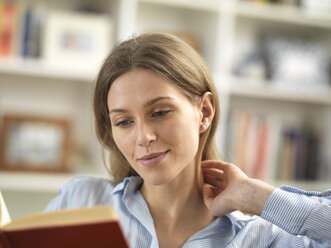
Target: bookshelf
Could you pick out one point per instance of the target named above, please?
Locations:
(260, 97)
(222, 28)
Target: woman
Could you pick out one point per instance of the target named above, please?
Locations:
(156, 113)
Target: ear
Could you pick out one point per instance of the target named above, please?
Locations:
(207, 110)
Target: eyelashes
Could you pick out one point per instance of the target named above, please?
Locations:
(123, 123)
(157, 115)
(160, 113)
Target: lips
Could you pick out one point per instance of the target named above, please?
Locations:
(152, 159)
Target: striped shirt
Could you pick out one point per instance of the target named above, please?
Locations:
(290, 218)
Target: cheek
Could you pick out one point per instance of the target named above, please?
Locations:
(184, 135)
(122, 143)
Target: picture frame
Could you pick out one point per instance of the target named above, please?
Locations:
(298, 64)
(77, 38)
(31, 143)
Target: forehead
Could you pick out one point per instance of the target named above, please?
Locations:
(139, 86)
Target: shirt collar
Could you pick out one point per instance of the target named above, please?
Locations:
(135, 202)
(224, 225)
(129, 185)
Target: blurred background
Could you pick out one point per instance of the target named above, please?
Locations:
(271, 62)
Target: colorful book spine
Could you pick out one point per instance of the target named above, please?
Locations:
(270, 149)
(7, 27)
(21, 29)
(26, 32)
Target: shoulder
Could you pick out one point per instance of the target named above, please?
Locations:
(83, 191)
(85, 184)
(92, 191)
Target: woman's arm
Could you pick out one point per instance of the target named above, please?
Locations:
(298, 212)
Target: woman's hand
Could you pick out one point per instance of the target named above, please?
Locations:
(226, 188)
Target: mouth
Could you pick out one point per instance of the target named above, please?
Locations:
(152, 159)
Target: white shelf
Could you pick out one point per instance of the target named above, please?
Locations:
(40, 68)
(35, 182)
(207, 5)
(282, 13)
(265, 90)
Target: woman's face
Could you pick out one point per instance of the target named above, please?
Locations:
(154, 125)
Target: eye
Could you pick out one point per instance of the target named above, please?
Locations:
(160, 113)
(123, 123)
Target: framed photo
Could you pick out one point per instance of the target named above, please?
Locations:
(298, 64)
(34, 144)
(77, 39)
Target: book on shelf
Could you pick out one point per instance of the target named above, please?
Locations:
(72, 228)
(241, 133)
(271, 161)
(248, 142)
(21, 28)
(262, 144)
(32, 21)
(269, 148)
(8, 24)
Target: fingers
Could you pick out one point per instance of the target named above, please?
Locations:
(224, 184)
(227, 168)
(215, 164)
(216, 178)
(214, 172)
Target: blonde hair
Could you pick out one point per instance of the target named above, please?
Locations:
(168, 57)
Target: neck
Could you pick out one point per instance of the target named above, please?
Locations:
(177, 207)
(179, 199)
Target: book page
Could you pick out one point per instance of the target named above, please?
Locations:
(4, 215)
(64, 217)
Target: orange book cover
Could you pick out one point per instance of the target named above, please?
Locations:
(7, 29)
(81, 228)
(262, 145)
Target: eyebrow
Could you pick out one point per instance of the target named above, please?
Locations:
(160, 98)
(150, 102)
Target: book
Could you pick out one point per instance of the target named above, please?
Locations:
(26, 36)
(272, 159)
(82, 227)
(7, 28)
(261, 152)
(242, 118)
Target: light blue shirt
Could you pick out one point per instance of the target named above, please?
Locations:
(290, 218)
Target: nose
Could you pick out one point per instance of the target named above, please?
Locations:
(145, 135)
